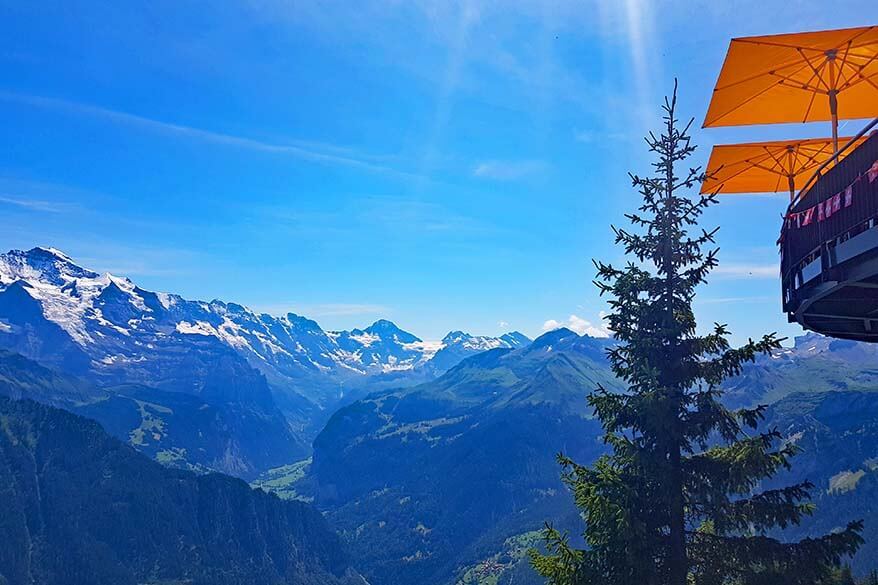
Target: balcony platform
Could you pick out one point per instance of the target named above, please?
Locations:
(829, 267)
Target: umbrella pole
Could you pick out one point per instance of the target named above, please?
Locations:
(833, 109)
(792, 184)
(833, 99)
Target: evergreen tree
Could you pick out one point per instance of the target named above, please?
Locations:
(842, 576)
(677, 499)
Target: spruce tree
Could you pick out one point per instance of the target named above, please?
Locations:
(677, 500)
(844, 576)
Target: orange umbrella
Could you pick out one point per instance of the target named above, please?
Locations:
(766, 167)
(799, 77)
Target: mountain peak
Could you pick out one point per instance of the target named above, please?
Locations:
(105, 313)
(48, 265)
(553, 337)
(383, 327)
(456, 337)
(42, 250)
(515, 338)
(111, 290)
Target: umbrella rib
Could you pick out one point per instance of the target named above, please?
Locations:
(776, 44)
(860, 33)
(780, 67)
(841, 66)
(813, 158)
(850, 71)
(778, 163)
(806, 156)
(848, 80)
(770, 169)
(857, 33)
(862, 78)
(746, 161)
(814, 69)
(869, 81)
(742, 104)
(798, 84)
(799, 49)
(810, 105)
(763, 73)
(869, 60)
(797, 164)
(859, 70)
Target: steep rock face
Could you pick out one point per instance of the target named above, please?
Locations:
(382, 348)
(177, 428)
(24, 327)
(79, 507)
(270, 382)
(53, 310)
(22, 378)
(425, 480)
(458, 345)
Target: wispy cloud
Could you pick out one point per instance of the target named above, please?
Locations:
(34, 204)
(577, 324)
(42, 196)
(391, 214)
(734, 271)
(417, 215)
(508, 170)
(304, 150)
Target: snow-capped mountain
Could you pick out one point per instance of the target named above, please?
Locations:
(209, 384)
(383, 348)
(56, 312)
(458, 345)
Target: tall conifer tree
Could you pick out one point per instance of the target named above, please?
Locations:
(677, 501)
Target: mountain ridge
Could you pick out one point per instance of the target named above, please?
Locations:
(84, 303)
(244, 367)
(423, 480)
(427, 481)
(80, 507)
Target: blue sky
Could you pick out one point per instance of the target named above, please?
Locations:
(447, 165)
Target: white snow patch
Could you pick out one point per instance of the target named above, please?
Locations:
(197, 328)
(112, 360)
(166, 300)
(427, 349)
(365, 339)
(58, 253)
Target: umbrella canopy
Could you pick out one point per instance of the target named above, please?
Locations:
(766, 167)
(799, 77)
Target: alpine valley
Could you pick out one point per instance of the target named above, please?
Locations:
(432, 462)
(206, 384)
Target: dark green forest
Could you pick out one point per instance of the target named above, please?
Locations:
(79, 507)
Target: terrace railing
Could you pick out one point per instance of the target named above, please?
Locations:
(808, 252)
